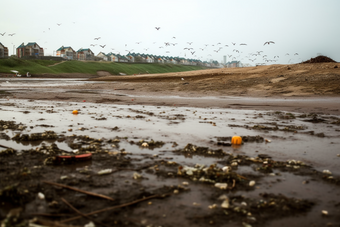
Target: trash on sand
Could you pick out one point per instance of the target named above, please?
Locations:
(225, 203)
(72, 158)
(75, 112)
(221, 185)
(251, 183)
(136, 176)
(237, 140)
(105, 171)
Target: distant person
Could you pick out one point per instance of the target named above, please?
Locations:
(28, 74)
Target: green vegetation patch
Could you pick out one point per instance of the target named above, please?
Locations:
(37, 67)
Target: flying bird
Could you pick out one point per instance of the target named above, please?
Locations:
(244, 44)
(102, 46)
(58, 24)
(189, 43)
(11, 34)
(233, 43)
(296, 54)
(97, 38)
(192, 52)
(3, 33)
(157, 28)
(269, 42)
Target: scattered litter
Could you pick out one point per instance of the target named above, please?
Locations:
(136, 176)
(221, 185)
(225, 203)
(213, 206)
(105, 171)
(237, 140)
(326, 171)
(68, 159)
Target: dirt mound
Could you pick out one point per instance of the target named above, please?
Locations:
(319, 59)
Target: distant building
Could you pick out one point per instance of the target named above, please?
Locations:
(67, 52)
(3, 51)
(85, 54)
(233, 64)
(103, 56)
(30, 50)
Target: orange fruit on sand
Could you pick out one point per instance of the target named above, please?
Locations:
(236, 140)
(75, 111)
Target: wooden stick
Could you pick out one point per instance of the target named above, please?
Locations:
(114, 207)
(50, 215)
(6, 147)
(79, 190)
(52, 223)
(80, 213)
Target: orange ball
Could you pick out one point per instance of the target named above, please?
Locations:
(75, 111)
(236, 140)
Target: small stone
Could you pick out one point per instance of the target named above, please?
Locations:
(251, 183)
(41, 196)
(324, 212)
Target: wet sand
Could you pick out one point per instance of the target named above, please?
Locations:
(299, 139)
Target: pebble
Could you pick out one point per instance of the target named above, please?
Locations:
(251, 183)
(324, 212)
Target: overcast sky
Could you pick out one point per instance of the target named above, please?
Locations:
(300, 29)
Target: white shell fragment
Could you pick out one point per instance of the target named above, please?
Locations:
(326, 171)
(226, 169)
(324, 212)
(136, 176)
(41, 196)
(213, 206)
(251, 183)
(221, 185)
(145, 144)
(225, 204)
(185, 183)
(234, 164)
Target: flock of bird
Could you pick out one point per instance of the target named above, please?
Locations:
(189, 51)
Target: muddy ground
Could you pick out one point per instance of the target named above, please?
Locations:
(161, 153)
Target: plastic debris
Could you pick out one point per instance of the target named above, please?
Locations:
(105, 171)
(221, 185)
